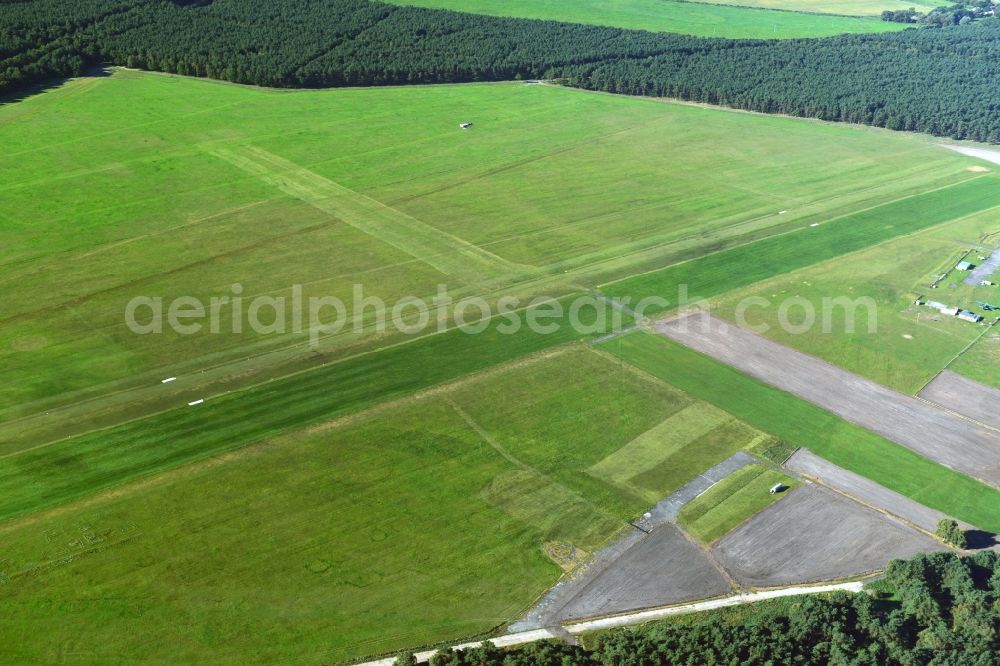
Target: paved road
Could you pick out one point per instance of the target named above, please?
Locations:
(935, 433)
(524, 637)
(965, 396)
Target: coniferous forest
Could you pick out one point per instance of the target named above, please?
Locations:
(936, 80)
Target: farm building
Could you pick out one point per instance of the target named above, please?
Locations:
(465, 125)
(964, 266)
(951, 312)
(965, 315)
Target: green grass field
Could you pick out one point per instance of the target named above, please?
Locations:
(980, 362)
(731, 502)
(842, 7)
(806, 425)
(343, 539)
(663, 459)
(335, 502)
(824, 239)
(692, 18)
(570, 188)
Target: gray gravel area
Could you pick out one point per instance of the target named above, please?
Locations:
(965, 396)
(984, 269)
(643, 565)
(546, 609)
(865, 490)
(668, 508)
(815, 534)
(663, 568)
(933, 432)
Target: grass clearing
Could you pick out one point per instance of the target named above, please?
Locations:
(554, 511)
(318, 548)
(552, 189)
(339, 534)
(731, 502)
(692, 18)
(806, 425)
(562, 418)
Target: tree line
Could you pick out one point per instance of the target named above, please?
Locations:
(940, 81)
(933, 609)
(957, 14)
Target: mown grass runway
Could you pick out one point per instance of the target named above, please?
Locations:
(571, 188)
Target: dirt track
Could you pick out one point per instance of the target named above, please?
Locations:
(933, 432)
(965, 396)
(815, 534)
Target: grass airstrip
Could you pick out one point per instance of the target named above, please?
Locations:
(723, 19)
(384, 490)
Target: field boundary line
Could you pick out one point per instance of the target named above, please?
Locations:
(511, 458)
(490, 439)
(955, 358)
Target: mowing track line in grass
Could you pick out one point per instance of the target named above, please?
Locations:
(782, 253)
(448, 254)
